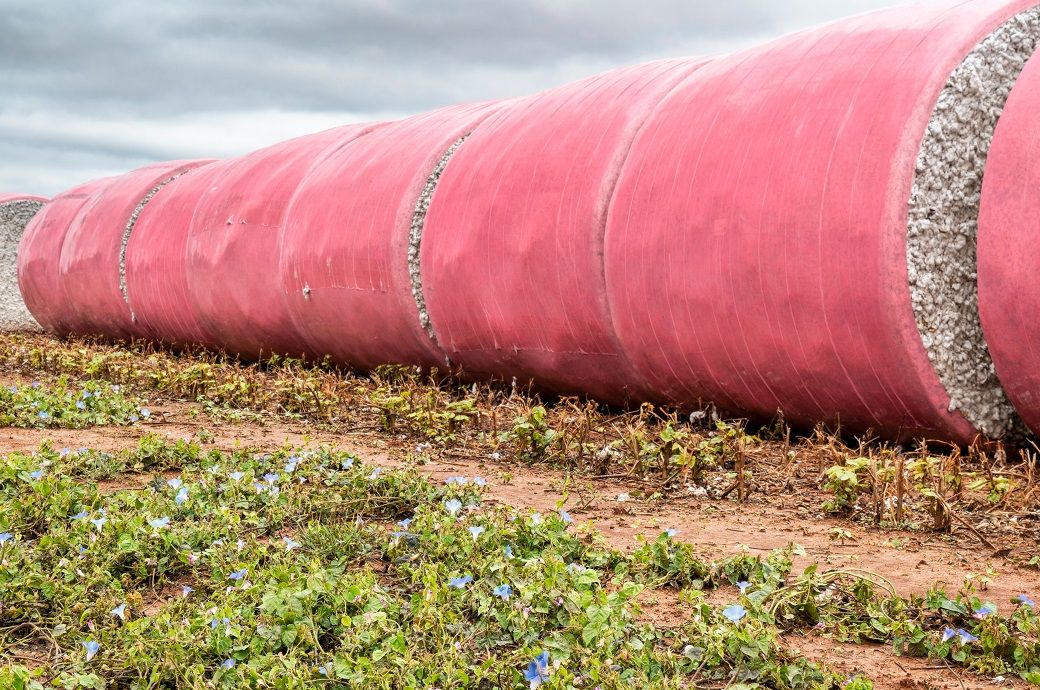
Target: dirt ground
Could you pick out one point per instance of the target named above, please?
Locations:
(911, 561)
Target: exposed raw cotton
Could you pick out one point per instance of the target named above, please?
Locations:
(943, 227)
(422, 207)
(14, 216)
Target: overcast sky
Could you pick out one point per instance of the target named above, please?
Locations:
(97, 87)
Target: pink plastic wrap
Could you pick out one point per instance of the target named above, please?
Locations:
(233, 237)
(39, 257)
(156, 266)
(344, 252)
(512, 250)
(1009, 247)
(90, 262)
(756, 243)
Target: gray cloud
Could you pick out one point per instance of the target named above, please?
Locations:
(98, 87)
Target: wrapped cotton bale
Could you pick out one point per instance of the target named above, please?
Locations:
(232, 259)
(776, 236)
(1009, 248)
(39, 257)
(92, 264)
(512, 246)
(944, 222)
(353, 233)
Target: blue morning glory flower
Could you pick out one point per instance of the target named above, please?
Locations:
(237, 476)
(181, 496)
(238, 574)
(347, 464)
(64, 452)
(536, 519)
(453, 506)
(671, 533)
(1025, 600)
(119, 612)
(566, 517)
(509, 551)
(45, 415)
(38, 474)
(216, 622)
(461, 582)
(134, 419)
(325, 669)
(734, 613)
(948, 634)
(985, 610)
(145, 412)
(99, 522)
(966, 637)
(228, 664)
(115, 388)
(92, 648)
(290, 466)
(159, 523)
(404, 523)
(291, 544)
(456, 480)
(80, 405)
(375, 474)
(5, 537)
(87, 394)
(476, 531)
(186, 590)
(743, 586)
(538, 670)
(175, 483)
(480, 481)
(270, 477)
(503, 592)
